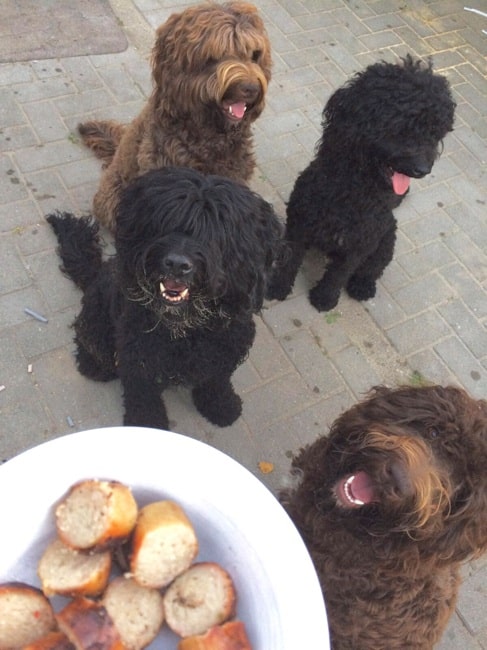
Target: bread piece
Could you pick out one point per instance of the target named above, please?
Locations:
(163, 545)
(51, 641)
(25, 615)
(62, 570)
(88, 626)
(203, 596)
(229, 636)
(137, 612)
(95, 515)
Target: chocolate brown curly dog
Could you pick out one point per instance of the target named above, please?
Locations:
(390, 504)
(211, 65)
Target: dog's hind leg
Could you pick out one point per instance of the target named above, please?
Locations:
(217, 401)
(283, 276)
(102, 137)
(362, 284)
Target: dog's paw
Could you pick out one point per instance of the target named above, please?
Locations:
(277, 291)
(323, 300)
(361, 288)
(221, 409)
(153, 420)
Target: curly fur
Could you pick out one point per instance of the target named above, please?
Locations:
(176, 302)
(383, 127)
(206, 60)
(389, 568)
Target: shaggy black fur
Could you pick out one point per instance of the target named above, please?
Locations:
(390, 504)
(383, 127)
(176, 303)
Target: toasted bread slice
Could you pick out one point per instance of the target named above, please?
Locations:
(229, 636)
(164, 544)
(137, 612)
(95, 515)
(200, 598)
(25, 615)
(63, 570)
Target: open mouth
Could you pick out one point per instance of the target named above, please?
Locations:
(234, 110)
(400, 182)
(355, 490)
(174, 292)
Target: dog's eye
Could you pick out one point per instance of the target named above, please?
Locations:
(256, 55)
(433, 433)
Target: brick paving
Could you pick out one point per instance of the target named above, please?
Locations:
(427, 322)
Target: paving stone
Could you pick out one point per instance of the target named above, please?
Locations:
(427, 321)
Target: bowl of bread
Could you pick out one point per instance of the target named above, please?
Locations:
(126, 538)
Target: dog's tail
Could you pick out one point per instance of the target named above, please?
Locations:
(102, 137)
(79, 247)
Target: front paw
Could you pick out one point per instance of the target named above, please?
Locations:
(221, 408)
(323, 299)
(361, 288)
(277, 290)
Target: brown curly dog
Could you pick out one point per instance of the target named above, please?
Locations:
(390, 504)
(211, 65)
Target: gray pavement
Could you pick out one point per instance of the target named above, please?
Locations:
(427, 322)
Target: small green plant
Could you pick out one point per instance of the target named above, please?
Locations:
(332, 317)
(417, 379)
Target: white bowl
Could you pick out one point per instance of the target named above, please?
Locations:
(239, 523)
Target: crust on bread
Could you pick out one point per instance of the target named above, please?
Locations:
(137, 612)
(96, 514)
(63, 570)
(88, 626)
(52, 641)
(200, 598)
(26, 615)
(229, 636)
(164, 544)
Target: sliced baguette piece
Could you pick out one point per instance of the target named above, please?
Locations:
(200, 598)
(229, 636)
(96, 514)
(65, 571)
(51, 641)
(163, 545)
(137, 612)
(88, 626)
(25, 615)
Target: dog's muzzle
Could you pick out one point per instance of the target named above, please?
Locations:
(178, 273)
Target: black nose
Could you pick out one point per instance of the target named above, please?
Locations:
(421, 169)
(177, 264)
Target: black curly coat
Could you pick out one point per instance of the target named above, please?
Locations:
(382, 128)
(176, 303)
(390, 504)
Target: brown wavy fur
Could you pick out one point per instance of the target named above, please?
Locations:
(390, 569)
(203, 59)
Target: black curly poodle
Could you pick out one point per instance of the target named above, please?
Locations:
(176, 302)
(383, 127)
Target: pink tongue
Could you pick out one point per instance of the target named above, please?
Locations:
(400, 183)
(362, 488)
(238, 109)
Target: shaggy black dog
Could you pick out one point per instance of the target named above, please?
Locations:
(382, 128)
(390, 504)
(176, 303)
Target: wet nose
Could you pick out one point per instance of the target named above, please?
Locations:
(177, 264)
(249, 90)
(421, 169)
